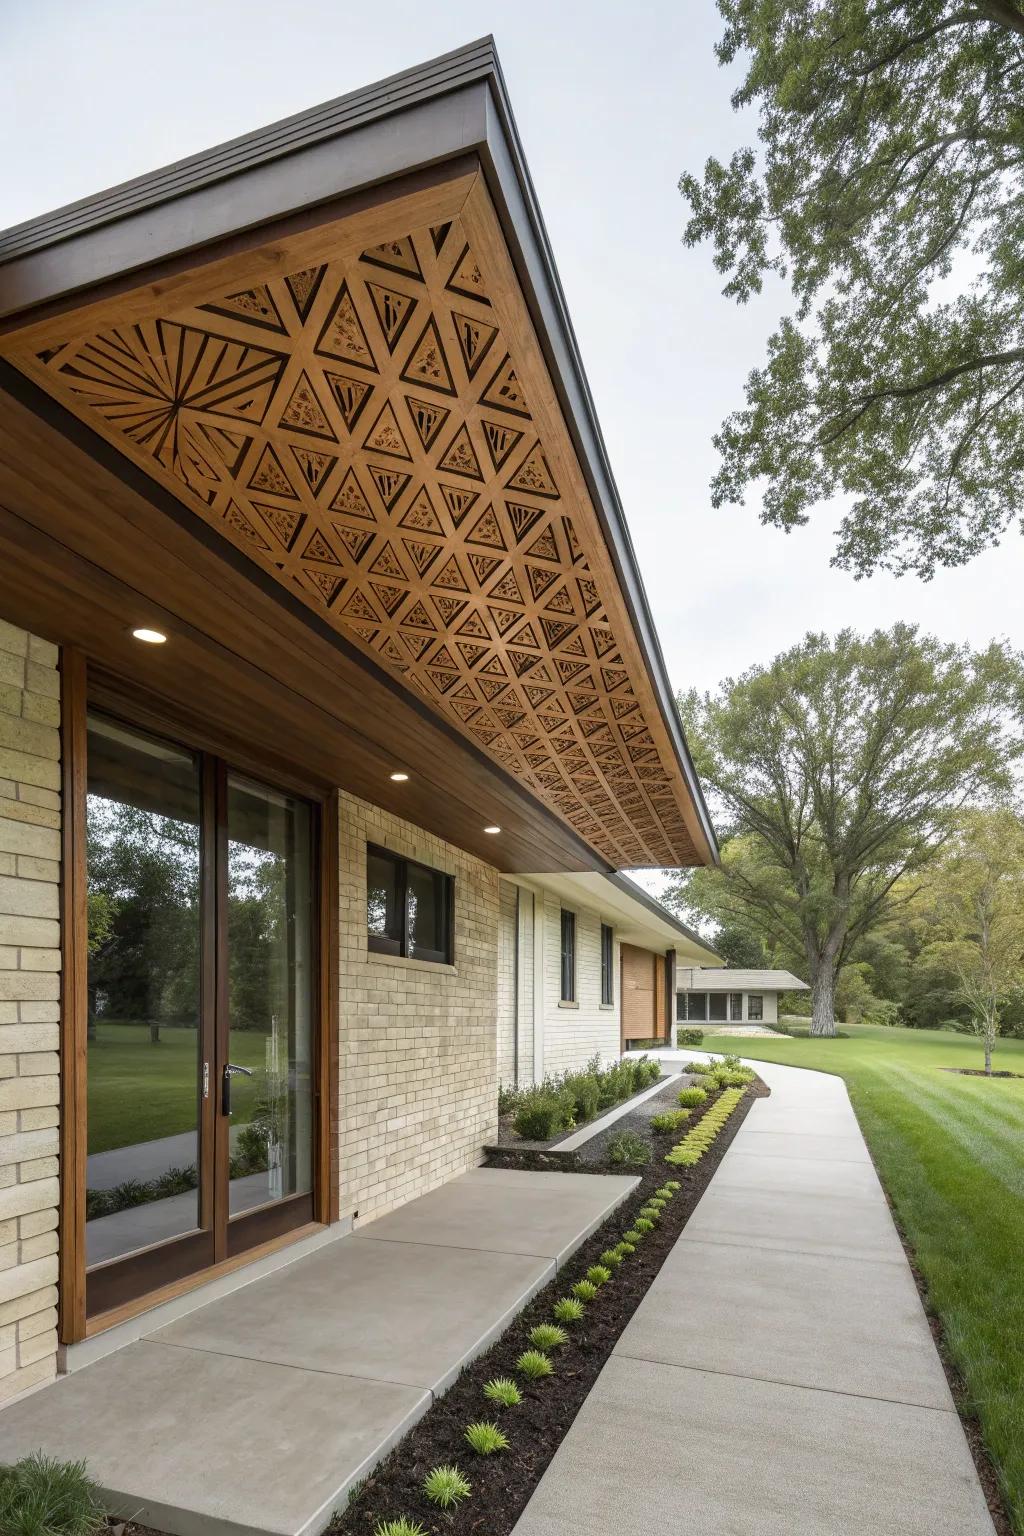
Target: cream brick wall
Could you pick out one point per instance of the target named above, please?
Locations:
(418, 1042)
(29, 1007)
(572, 1035)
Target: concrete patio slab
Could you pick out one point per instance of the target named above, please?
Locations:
(548, 1214)
(805, 1319)
(257, 1411)
(358, 1308)
(661, 1448)
(199, 1444)
(781, 1219)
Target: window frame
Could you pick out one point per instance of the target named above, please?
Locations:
(758, 998)
(383, 944)
(735, 1007)
(567, 956)
(607, 965)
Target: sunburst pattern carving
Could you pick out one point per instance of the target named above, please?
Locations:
(360, 428)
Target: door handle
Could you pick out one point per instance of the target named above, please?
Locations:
(230, 1071)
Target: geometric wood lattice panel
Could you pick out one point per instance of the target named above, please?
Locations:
(359, 428)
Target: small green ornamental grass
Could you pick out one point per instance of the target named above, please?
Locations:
(651, 1213)
(41, 1496)
(402, 1527)
(503, 1390)
(643, 1225)
(629, 1149)
(666, 1192)
(534, 1365)
(584, 1290)
(568, 1310)
(598, 1275)
(625, 1248)
(674, 1185)
(633, 1236)
(689, 1098)
(611, 1258)
(446, 1487)
(670, 1120)
(548, 1336)
(486, 1438)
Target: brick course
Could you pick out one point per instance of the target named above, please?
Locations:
(29, 1007)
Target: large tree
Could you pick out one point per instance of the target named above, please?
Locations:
(888, 189)
(837, 772)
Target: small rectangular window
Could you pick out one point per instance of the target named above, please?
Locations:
(568, 956)
(408, 908)
(681, 1006)
(697, 1006)
(735, 1007)
(716, 1006)
(755, 1005)
(607, 975)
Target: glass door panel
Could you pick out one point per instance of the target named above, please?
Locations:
(267, 1077)
(143, 857)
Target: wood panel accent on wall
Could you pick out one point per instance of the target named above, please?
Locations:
(379, 431)
(640, 1019)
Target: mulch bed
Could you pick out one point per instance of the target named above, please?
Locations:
(979, 1072)
(507, 1136)
(503, 1483)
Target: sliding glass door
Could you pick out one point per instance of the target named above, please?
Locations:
(202, 954)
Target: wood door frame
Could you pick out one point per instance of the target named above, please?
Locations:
(83, 686)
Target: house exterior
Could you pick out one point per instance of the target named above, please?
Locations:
(322, 647)
(727, 996)
(587, 966)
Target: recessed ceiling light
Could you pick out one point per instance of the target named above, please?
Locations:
(399, 778)
(492, 830)
(149, 636)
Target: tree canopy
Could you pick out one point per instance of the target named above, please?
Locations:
(837, 772)
(890, 163)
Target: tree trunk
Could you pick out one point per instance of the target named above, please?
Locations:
(823, 1000)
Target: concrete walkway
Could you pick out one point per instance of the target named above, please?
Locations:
(779, 1378)
(256, 1412)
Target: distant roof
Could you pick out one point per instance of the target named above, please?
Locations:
(702, 979)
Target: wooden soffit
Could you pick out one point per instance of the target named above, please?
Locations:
(364, 409)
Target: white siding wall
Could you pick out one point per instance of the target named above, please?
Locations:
(573, 1034)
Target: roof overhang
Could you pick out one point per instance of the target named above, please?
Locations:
(637, 917)
(336, 353)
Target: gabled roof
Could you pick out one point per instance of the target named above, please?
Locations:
(340, 343)
(701, 979)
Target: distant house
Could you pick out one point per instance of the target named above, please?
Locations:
(724, 996)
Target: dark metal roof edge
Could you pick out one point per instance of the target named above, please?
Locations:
(594, 454)
(475, 61)
(630, 888)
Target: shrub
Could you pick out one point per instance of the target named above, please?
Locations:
(645, 1073)
(584, 1290)
(627, 1148)
(585, 1088)
(670, 1120)
(616, 1083)
(611, 1258)
(689, 1037)
(597, 1274)
(503, 1390)
(568, 1310)
(540, 1114)
(643, 1225)
(486, 1438)
(446, 1487)
(534, 1365)
(689, 1098)
(402, 1527)
(41, 1496)
(508, 1098)
(633, 1237)
(698, 1068)
(548, 1336)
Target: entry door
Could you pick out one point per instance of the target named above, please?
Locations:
(201, 1028)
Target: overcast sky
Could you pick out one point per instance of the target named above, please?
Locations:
(612, 101)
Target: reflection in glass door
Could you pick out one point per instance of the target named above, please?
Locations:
(267, 1077)
(143, 814)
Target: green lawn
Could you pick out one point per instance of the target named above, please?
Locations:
(950, 1151)
(139, 1091)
